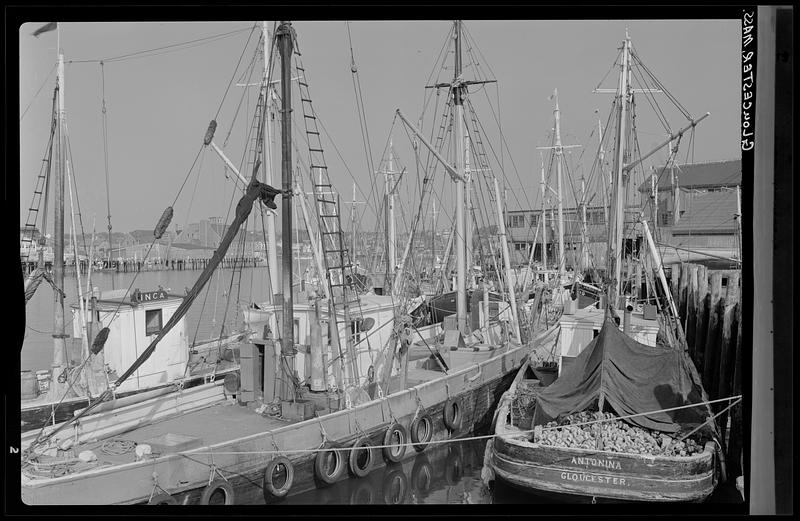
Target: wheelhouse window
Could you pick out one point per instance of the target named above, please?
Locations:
(152, 321)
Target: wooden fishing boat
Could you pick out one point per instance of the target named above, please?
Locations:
(590, 473)
(134, 317)
(565, 438)
(307, 411)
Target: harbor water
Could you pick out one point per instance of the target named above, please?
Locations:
(442, 474)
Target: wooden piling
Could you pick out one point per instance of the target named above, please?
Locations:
(734, 455)
(727, 354)
(703, 303)
(691, 308)
(711, 358)
(674, 281)
(683, 291)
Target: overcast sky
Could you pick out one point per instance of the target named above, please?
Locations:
(159, 105)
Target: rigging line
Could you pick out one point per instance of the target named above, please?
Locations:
(37, 92)
(651, 100)
(123, 56)
(77, 200)
(105, 155)
(251, 69)
(233, 76)
(362, 117)
(658, 82)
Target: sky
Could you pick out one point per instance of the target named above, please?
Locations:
(158, 105)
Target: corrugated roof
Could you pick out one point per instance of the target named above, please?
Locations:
(699, 175)
(710, 212)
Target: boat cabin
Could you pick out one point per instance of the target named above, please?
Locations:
(140, 317)
(580, 326)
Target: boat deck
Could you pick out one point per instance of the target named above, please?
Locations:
(210, 425)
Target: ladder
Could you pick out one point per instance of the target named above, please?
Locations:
(40, 193)
(339, 272)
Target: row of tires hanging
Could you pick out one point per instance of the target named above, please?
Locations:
(330, 463)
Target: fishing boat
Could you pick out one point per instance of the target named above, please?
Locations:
(303, 415)
(627, 418)
(134, 317)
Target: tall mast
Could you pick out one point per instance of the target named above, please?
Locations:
(461, 300)
(272, 251)
(468, 208)
(59, 342)
(559, 159)
(389, 181)
(544, 217)
(585, 225)
(618, 202)
(285, 46)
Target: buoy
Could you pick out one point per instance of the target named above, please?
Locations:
(452, 414)
(162, 499)
(421, 432)
(218, 485)
(329, 464)
(278, 478)
(361, 466)
(396, 436)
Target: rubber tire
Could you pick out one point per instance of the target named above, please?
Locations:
(388, 439)
(319, 464)
(163, 499)
(268, 487)
(359, 445)
(419, 423)
(392, 476)
(213, 487)
(453, 414)
(421, 475)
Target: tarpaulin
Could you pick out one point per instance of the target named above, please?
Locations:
(633, 378)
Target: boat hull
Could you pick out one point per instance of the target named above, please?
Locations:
(243, 460)
(604, 474)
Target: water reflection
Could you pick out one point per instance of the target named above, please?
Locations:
(442, 474)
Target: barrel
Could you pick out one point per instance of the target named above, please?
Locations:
(30, 386)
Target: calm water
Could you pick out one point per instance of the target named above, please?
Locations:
(442, 474)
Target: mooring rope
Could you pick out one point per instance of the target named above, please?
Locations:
(469, 438)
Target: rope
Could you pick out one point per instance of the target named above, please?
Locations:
(37, 92)
(468, 438)
(117, 447)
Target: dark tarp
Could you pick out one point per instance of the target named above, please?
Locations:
(633, 378)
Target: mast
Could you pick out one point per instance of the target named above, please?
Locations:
(468, 209)
(559, 159)
(544, 218)
(272, 251)
(585, 234)
(59, 342)
(389, 182)
(285, 46)
(461, 291)
(618, 203)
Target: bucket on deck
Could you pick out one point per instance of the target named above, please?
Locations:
(43, 379)
(29, 385)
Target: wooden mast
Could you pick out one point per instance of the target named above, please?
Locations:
(461, 290)
(285, 46)
(617, 214)
(60, 358)
(272, 255)
(543, 187)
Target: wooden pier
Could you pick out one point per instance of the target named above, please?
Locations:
(710, 309)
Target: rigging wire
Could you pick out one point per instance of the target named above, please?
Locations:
(38, 91)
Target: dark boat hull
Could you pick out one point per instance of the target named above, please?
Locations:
(602, 474)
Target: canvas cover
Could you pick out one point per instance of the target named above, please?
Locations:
(634, 378)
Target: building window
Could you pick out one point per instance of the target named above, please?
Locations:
(152, 322)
